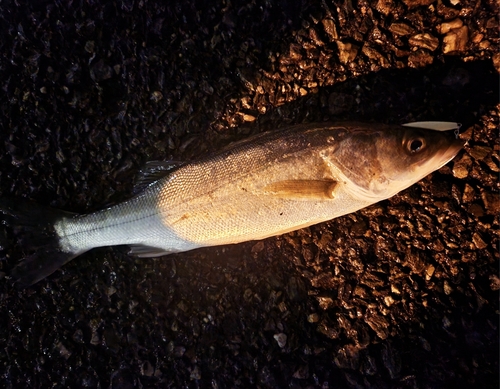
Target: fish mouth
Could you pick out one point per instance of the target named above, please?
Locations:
(440, 158)
(453, 149)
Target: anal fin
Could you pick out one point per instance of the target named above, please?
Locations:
(142, 251)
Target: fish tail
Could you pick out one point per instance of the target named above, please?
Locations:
(33, 227)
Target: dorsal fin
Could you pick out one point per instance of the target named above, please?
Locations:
(436, 126)
(152, 172)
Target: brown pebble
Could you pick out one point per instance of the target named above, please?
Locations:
(491, 202)
(476, 210)
(384, 6)
(347, 51)
(462, 166)
(478, 241)
(417, 3)
(456, 40)
(496, 62)
(494, 282)
(468, 194)
(448, 26)
(420, 59)
(330, 29)
(479, 152)
(426, 41)
(400, 29)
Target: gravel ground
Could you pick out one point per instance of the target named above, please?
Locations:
(403, 294)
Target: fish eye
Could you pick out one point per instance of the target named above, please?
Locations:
(415, 145)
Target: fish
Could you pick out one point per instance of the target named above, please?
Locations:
(266, 185)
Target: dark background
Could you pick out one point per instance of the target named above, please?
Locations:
(403, 294)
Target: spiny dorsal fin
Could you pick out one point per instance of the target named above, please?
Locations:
(436, 126)
(153, 171)
(302, 189)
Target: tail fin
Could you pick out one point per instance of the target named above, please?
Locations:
(33, 228)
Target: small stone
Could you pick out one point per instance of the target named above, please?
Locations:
(478, 37)
(417, 3)
(63, 351)
(195, 373)
(147, 369)
(280, 339)
(479, 152)
(491, 202)
(378, 324)
(400, 29)
(492, 165)
(456, 40)
(492, 23)
(478, 241)
(179, 351)
(448, 26)
(347, 51)
(156, 96)
(100, 71)
(468, 194)
(395, 289)
(324, 302)
(426, 41)
(447, 13)
(384, 6)
(447, 288)
(248, 118)
(89, 46)
(476, 210)
(315, 37)
(330, 29)
(420, 59)
(302, 372)
(374, 54)
(429, 272)
(388, 300)
(329, 332)
(313, 318)
(486, 44)
(258, 247)
(494, 282)
(295, 52)
(461, 167)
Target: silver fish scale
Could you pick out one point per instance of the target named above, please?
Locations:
(231, 196)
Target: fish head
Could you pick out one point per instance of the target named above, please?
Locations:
(384, 162)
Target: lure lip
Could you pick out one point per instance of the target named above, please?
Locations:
(435, 125)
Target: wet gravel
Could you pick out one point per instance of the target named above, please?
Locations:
(403, 294)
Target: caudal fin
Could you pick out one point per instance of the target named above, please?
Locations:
(33, 228)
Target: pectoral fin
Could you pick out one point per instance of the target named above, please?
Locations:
(302, 189)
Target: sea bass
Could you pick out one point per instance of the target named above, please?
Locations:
(263, 186)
